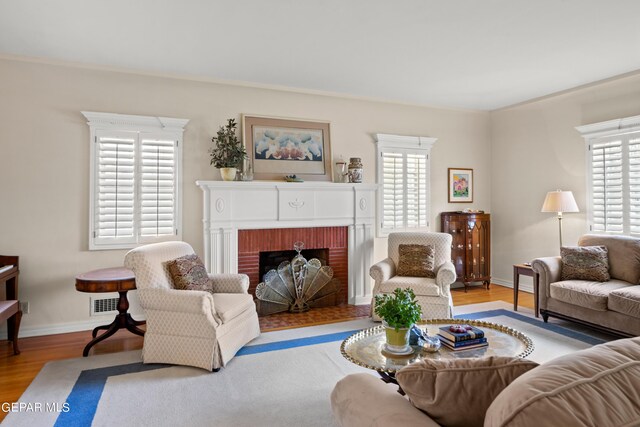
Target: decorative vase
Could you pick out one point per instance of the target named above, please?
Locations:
(228, 174)
(355, 169)
(397, 341)
(247, 171)
(342, 175)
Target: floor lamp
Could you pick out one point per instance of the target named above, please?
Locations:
(560, 201)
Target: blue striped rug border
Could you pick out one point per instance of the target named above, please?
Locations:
(85, 395)
(293, 343)
(558, 329)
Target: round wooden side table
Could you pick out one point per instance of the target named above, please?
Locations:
(117, 279)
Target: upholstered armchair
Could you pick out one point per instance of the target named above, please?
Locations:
(433, 294)
(188, 327)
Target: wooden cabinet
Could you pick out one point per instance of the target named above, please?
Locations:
(10, 308)
(471, 246)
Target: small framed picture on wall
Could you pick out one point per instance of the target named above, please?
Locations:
(460, 185)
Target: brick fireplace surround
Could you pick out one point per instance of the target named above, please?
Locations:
(241, 218)
(252, 242)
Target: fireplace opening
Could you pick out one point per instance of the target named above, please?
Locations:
(299, 286)
(332, 241)
(270, 260)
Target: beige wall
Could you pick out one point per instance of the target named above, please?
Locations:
(44, 148)
(536, 149)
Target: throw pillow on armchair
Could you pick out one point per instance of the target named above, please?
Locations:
(188, 273)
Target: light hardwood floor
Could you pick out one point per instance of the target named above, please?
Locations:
(17, 372)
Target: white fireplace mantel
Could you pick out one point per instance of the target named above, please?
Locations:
(232, 206)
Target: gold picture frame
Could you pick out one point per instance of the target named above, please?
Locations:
(278, 147)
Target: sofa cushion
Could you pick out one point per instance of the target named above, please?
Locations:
(457, 392)
(416, 261)
(230, 306)
(188, 273)
(624, 255)
(625, 301)
(424, 286)
(585, 293)
(585, 263)
(593, 387)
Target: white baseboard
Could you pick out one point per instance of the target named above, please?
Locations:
(525, 287)
(63, 328)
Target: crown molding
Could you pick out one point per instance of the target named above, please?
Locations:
(236, 83)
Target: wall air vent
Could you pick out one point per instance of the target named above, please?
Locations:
(100, 306)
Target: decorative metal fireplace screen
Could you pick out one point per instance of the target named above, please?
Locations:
(270, 260)
(297, 286)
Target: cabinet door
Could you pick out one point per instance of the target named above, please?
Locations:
(477, 249)
(456, 227)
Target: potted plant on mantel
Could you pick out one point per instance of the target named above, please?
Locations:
(399, 312)
(229, 152)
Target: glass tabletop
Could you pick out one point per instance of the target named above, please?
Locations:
(365, 348)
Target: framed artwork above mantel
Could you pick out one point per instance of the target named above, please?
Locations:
(460, 185)
(279, 147)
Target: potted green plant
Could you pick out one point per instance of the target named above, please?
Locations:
(228, 153)
(399, 312)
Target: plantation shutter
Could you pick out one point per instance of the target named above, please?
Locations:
(393, 206)
(157, 185)
(614, 175)
(607, 186)
(114, 204)
(634, 185)
(403, 172)
(416, 190)
(135, 180)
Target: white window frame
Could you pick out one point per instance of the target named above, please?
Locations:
(626, 129)
(158, 126)
(402, 145)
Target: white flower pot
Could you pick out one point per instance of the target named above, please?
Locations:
(228, 174)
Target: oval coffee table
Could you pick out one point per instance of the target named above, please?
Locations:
(365, 348)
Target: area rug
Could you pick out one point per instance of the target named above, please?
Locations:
(282, 378)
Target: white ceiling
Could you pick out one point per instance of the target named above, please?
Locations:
(478, 54)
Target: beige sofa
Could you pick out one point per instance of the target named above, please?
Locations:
(599, 387)
(613, 306)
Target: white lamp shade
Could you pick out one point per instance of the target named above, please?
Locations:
(560, 201)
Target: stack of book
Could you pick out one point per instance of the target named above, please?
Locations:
(462, 337)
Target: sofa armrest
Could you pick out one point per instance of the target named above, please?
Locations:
(175, 300)
(549, 270)
(229, 283)
(445, 276)
(365, 400)
(382, 271)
